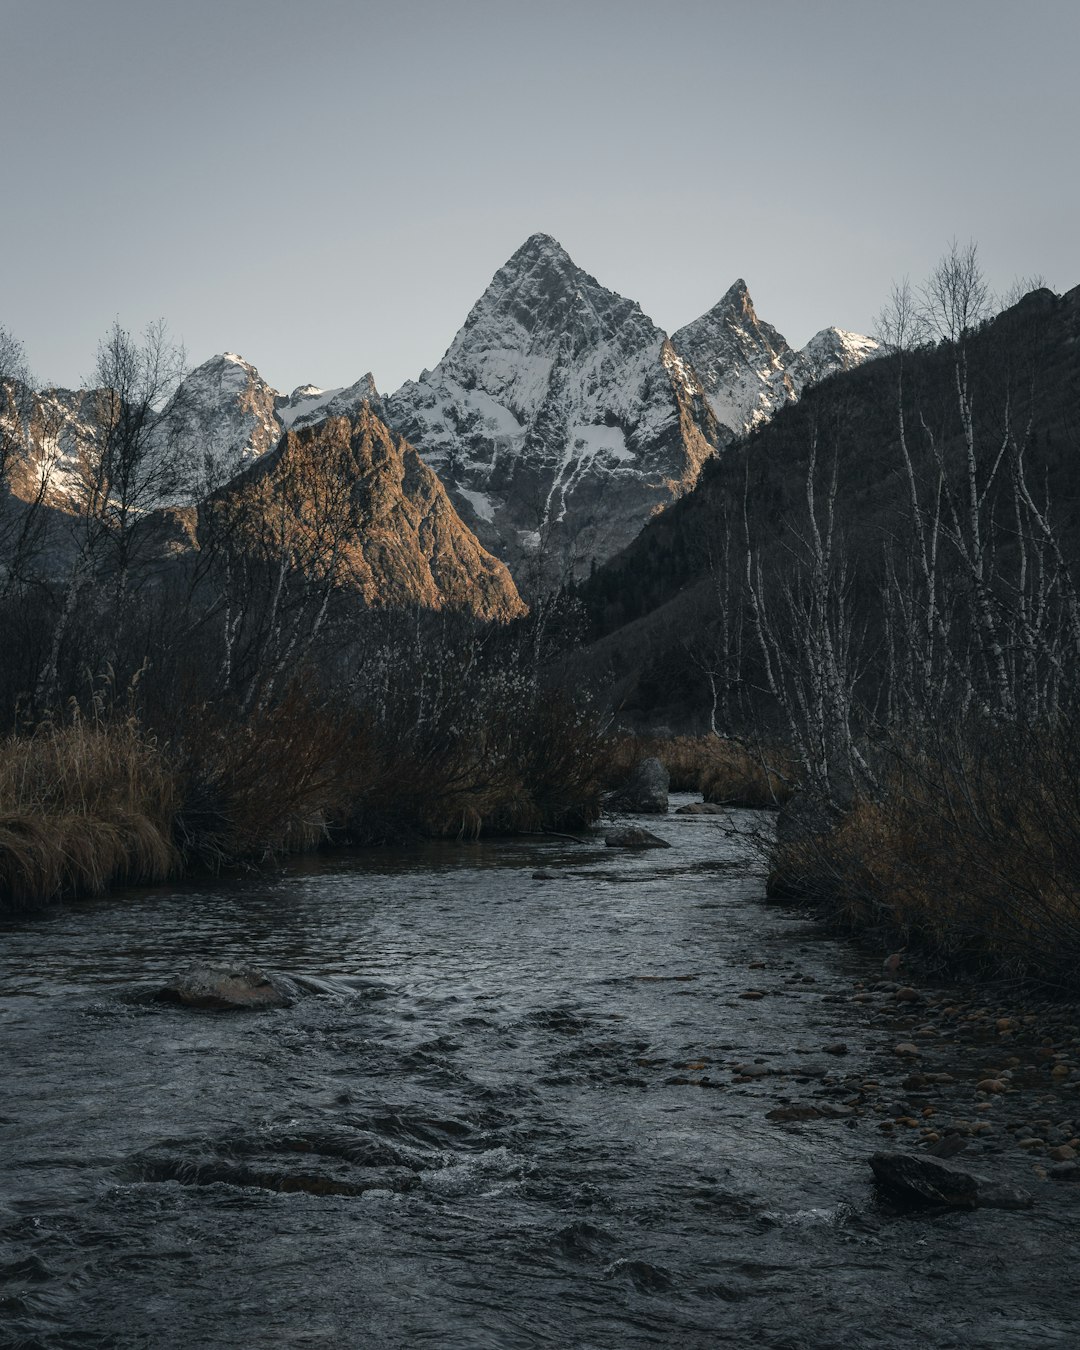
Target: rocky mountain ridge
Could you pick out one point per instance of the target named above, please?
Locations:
(560, 418)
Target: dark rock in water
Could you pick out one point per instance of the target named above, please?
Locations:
(633, 836)
(646, 791)
(922, 1180)
(544, 875)
(227, 988)
(702, 809)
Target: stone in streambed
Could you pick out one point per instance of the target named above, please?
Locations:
(633, 836)
(702, 809)
(228, 988)
(920, 1179)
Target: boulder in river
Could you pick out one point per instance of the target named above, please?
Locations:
(920, 1179)
(633, 836)
(645, 792)
(226, 988)
(702, 809)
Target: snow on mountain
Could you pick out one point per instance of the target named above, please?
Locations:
(308, 404)
(225, 416)
(221, 419)
(827, 353)
(559, 418)
(739, 359)
(747, 368)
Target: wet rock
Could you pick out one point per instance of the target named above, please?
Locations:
(543, 875)
(920, 1179)
(1062, 1154)
(645, 792)
(228, 988)
(906, 1049)
(992, 1085)
(702, 809)
(1069, 1171)
(837, 1048)
(785, 1114)
(633, 836)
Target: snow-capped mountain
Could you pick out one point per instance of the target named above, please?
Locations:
(221, 419)
(747, 368)
(225, 416)
(559, 418)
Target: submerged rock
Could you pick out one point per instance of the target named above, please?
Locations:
(923, 1180)
(226, 988)
(702, 809)
(633, 836)
(645, 792)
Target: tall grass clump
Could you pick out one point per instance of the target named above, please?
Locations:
(83, 805)
(970, 853)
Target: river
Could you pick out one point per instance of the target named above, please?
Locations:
(509, 1112)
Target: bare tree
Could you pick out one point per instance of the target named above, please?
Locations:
(124, 471)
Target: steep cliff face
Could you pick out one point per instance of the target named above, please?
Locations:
(222, 418)
(747, 369)
(559, 419)
(350, 503)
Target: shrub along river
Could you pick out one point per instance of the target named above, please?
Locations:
(505, 1112)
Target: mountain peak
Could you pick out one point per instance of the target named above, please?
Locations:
(537, 246)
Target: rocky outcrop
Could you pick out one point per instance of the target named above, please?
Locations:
(747, 369)
(363, 511)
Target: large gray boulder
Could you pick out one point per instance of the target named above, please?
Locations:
(919, 1179)
(633, 836)
(645, 792)
(228, 988)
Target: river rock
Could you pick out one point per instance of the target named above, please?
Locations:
(702, 809)
(633, 836)
(923, 1180)
(227, 988)
(645, 792)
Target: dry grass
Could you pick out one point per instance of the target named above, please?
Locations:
(976, 861)
(83, 806)
(90, 804)
(721, 770)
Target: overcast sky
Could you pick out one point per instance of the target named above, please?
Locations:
(327, 187)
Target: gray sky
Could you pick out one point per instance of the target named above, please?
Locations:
(326, 187)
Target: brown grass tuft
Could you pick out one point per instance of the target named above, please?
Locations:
(83, 806)
(976, 861)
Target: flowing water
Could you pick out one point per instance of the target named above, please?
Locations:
(507, 1112)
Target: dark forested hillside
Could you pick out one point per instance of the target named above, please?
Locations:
(668, 615)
